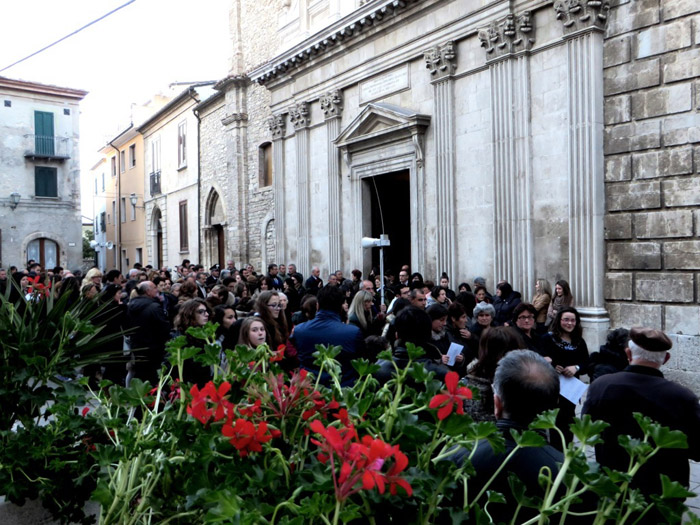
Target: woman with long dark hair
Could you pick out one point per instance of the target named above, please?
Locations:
(505, 302)
(561, 299)
(268, 308)
(193, 313)
(565, 347)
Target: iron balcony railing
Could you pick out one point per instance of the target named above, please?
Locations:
(155, 183)
(47, 147)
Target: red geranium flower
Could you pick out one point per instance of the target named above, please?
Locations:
(200, 407)
(454, 395)
(246, 437)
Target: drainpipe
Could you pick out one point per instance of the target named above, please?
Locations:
(118, 208)
(199, 176)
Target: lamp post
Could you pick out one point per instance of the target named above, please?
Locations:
(381, 243)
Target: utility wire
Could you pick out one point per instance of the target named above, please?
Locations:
(68, 36)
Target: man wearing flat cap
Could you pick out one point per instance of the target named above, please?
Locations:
(641, 387)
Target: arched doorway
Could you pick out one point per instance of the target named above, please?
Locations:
(44, 251)
(157, 237)
(215, 239)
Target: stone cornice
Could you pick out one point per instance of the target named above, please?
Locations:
(233, 80)
(332, 104)
(441, 60)
(342, 31)
(512, 34)
(234, 117)
(578, 15)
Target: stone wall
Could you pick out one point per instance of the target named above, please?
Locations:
(652, 154)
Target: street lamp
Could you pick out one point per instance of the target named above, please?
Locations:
(14, 199)
(133, 199)
(381, 243)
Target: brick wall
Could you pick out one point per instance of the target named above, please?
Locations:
(652, 154)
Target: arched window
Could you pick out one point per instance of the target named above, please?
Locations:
(44, 251)
(265, 164)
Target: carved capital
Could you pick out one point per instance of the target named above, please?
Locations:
(234, 117)
(332, 104)
(277, 126)
(512, 34)
(299, 115)
(441, 60)
(582, 14)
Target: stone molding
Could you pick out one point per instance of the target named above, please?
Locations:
(299, 116)
(441, 60)
(232, 81)
(277, 126)
(332, 104)
(349, 28)
(334, 194)
(302, 197)
(579, 15)
(513, 34)
(234, 117)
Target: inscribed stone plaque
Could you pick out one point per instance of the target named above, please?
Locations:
(384, 84)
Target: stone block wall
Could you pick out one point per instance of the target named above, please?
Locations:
(652, 181)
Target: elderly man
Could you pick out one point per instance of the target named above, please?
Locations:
(524, 385)
(417, 297)
(641, 387)
(314, 283)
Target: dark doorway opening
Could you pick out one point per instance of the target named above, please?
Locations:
(391, 214)
(220, 249)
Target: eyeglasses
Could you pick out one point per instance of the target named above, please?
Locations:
(276, 305)
(203, 311)
(526, 318)
(569, 321)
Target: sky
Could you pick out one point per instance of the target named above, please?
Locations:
(123, 59)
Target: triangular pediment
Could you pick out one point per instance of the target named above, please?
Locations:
(382, 121)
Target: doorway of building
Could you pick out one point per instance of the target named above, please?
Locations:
(157, 228)
(44, 251)
(220, 249)
(391, 214)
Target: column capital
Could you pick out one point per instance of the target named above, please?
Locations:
(332, 104)
(512, 34)
(299, 115)
(441, 60)
(577, 15)
(277, 126)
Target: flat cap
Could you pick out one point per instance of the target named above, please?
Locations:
(649, 339)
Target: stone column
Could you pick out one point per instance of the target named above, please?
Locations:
(584, 26)
(277, 126)
(300, 118)
(441, 62)
(507, 43)
(332, 107)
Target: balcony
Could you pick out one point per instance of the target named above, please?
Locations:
(155, 183)
(46, 147)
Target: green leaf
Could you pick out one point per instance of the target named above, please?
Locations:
(517, 488)
(546, 420)
(588, 431)
(667, 438)
(495, 497)
(386, 355)
(414, 352)
(364, 367)
(528, 438)
(636, 448)
(673, 489)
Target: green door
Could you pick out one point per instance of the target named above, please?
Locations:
(43, 133)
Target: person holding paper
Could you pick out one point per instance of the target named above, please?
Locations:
(568, 352)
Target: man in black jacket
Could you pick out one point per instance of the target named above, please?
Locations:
(524, 385)
(145, 312)
(641, 387)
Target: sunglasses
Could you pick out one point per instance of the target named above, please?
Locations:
(203, 311)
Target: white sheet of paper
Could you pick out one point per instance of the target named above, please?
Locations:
(571, 388)
(452, 352)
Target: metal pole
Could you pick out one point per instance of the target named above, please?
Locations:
(381, 276)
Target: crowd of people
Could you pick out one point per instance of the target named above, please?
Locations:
(467, 330)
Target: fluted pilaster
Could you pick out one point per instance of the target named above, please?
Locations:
(277, 126)
(332, 107)
(299, 116)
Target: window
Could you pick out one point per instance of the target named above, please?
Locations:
(122, 210)
(95, 185)
(45, 182)
(155, 155)
(114, 166)
(8, 103)
(66, 111)
(103, 222)
(132, 156)
(182, 145)
(184, 241)
(114, 211)
(122, 161)
(44, 251)
(133, 211)
(265, 164)
(139, 255)
(43, 133)
(103, 181)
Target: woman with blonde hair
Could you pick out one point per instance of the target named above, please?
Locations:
(360, 313)
(94, 276)
(541, 300)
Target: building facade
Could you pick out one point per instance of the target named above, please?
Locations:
(513, 140)
(40, 216)
(171, 178)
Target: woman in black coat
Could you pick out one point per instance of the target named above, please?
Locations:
(505, 302)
